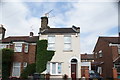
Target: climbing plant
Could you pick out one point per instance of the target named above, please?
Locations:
(43, 56)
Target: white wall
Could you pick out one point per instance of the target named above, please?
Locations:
(65, 57)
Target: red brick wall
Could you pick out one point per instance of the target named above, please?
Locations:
(107, 58)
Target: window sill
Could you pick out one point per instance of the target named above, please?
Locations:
(67, 50)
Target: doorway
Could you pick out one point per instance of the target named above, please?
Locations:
(73, 69)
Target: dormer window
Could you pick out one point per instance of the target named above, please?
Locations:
(18, 47)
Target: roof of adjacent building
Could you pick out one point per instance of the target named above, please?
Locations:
(113, 40)
(61, 30)
(87, 56)
(20, 38)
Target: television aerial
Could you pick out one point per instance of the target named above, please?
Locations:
(47, 14)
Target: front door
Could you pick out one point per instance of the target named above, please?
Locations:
(73, 71)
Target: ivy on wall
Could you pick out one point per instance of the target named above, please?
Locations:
(7, 61)
(43, 56)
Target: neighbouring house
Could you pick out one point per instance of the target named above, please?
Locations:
(2, 32)
(86, 63)
(66, 44)
(107, 56)
(24, 51)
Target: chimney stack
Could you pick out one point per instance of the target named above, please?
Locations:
(44, 23)
(2, 32)
(31, 34)
(119, 34)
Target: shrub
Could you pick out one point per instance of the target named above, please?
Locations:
(29, 70)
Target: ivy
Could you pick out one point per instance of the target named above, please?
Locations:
(43, 56)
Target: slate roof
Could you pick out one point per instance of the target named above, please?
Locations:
(114, 40)
(20, 38)
(61, 30)
(87, 56)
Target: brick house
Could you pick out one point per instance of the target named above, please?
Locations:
(86, 63)
(66, 44)
(107, 56)
(24, 51)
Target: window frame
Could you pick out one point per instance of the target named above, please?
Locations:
(51, 43)
(67, 43)
(26, 48)
(56, 68)
(20, 46)
(19, 67)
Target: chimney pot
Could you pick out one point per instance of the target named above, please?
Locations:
(31, 34)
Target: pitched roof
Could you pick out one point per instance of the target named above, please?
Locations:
(20, 38)
(114, 40)
(61, 30)
(87, 56)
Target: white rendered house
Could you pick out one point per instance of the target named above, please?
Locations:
(66, 44)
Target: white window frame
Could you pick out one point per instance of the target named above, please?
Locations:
(51, 43)
(16, 46)
(100, 53)
(68, 43)
(3, 46)
(56, 68)
(118, 48)
(26, 47)
(14, 66)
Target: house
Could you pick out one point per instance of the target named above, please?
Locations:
(24, 51)
(86, 63)
(2, 32)
(107, 56)
(66, 44)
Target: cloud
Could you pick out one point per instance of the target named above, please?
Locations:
(94, 18)
(14, 18)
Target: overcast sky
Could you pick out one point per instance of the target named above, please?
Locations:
(95, 18)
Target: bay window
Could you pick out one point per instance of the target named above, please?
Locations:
(26, 48)
(18, 47)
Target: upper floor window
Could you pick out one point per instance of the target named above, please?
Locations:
(119, 49)
(2, 46)
(18, 47)
(51, 42)
(100, 53)
(26, 48)
(67, 42)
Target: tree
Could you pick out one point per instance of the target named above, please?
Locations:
(7, 59)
